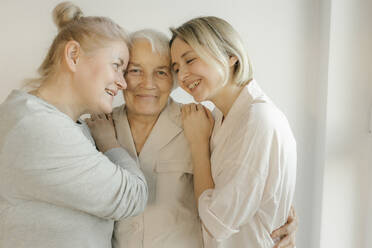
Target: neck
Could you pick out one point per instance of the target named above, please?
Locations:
(141, 127)
(226, 97)
(59, 94)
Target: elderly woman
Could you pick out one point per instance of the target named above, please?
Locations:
(149, 126)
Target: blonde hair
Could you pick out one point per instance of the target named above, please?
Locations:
(216, 41)
(90, 32)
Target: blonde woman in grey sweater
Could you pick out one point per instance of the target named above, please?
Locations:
(56, 189)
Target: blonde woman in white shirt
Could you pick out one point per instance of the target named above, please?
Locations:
(245, 169)
(149, 126)
(56, 189)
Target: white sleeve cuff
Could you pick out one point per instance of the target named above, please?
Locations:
(211, 222)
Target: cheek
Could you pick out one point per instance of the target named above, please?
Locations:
(166, 85)
(128, 95)
(179, 82)
(132, 83)
(202, 69)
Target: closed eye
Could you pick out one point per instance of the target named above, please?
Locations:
(116, 66)
(190, 60)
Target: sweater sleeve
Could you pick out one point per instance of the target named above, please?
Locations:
(52, 161)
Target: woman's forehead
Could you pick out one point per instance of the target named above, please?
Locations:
(142, 53)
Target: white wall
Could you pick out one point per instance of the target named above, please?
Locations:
(288, 41)
(347, 198)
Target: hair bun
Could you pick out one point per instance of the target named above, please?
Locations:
(65, 13)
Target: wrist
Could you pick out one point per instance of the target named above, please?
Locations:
(200, 152)
(199, 145)
(107, 146)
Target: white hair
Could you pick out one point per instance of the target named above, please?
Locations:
(158, 40)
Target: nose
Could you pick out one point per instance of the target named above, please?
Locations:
(183, 73)
(148, 82)
(121, 83)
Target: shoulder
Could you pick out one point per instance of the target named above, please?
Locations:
(173, 112)
(45, 120)
(48, 130)
(263, 121)
(265, 114)
(86, 131)
(174, 106)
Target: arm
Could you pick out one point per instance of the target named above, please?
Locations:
(59, 166)
(198, 125)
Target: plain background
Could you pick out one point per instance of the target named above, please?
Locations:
(312, 57)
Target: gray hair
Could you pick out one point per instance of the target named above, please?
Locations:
(158, 40)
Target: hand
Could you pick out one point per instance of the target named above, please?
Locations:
(198, 123)
(287, 232)
(103, 131)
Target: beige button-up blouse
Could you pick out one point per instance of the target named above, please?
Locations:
(170, 218)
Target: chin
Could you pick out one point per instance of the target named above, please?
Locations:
(107, 109)
(148, 112)
(199, 99)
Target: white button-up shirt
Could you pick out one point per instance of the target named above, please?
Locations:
(253, 163)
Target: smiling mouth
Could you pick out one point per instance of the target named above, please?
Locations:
(140, 95)
(193, 85)
(110, 92)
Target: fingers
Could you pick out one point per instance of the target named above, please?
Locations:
(88, 121)
(289, 227)
(93, 117)
(199, 107)
(184, 111)
(281, 231)
(293, 216)
(102, 116)
(287, 232)
(292, 225)
(286, 242)
(278, 233)
(188, 109)
(193, 107)
(96, 118)
(209, 114)
(292, 222)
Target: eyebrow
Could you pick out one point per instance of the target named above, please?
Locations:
(163, 67)
(182, 56)
(134, 64)
(159, 67)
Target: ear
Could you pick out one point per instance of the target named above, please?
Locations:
(72, 54)
(232, 60)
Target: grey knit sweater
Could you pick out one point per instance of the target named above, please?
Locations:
(56, 189)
